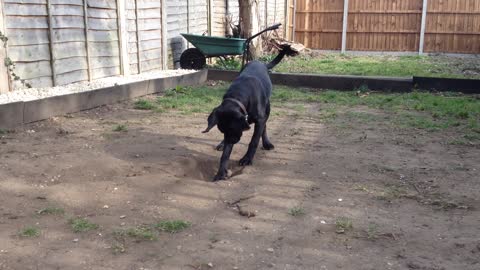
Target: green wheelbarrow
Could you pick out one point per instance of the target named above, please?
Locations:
(208, 46)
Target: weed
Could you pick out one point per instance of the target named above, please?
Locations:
(372, 231)
(230, 63)
(172, 226)
(343, 224)
(140, 233)
(120, 128)
(51, 210)
(29, 232)
(143, 104)
(392, 192)
(296, 211)
(118, 248)
(82, 225)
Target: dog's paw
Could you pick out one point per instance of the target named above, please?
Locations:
(220, 177)
(219, 147)
(268, 146)
(246, 161)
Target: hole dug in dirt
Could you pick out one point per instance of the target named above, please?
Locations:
(199, 169)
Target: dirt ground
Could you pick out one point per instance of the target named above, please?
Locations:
(342, 194)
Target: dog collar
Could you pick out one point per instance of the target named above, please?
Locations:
(240, 104)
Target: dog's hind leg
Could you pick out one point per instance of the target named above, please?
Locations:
(220, 146)
(267, 145)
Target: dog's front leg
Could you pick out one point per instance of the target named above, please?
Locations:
(223, 170)
(252, 147)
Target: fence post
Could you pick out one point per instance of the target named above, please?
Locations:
(137, 32)
(123, 37)
(210, 16)
(164, 34)
(50, 37)
(87, 47)
(294, 19)
(4, 78)
(422, 30)
(345, 26)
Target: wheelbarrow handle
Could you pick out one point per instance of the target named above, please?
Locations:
(273, 27)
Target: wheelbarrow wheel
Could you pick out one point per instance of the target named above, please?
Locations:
(192, 58)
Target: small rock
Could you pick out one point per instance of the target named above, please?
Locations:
(122, 224)
(235, 268)
(340, 199)
(106, 206)
(179, 247)
(210, 264)
(123, 216)
(270, 249)
(75, 240)
(323, 222)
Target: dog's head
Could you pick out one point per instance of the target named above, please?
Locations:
(230, 121)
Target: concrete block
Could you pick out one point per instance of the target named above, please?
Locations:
(11, 115)
(467, 86)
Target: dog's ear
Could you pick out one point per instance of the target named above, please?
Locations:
(212, 120)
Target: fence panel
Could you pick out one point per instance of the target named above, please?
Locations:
(384, 25)
(453, 26)
(28, 45)
(318, 24)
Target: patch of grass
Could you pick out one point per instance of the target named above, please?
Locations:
(392, 192)
(395, 66)
(421, 110)
(82, 225)
(372, 231)
(118, 248)
(172, 226)
(189, 100)
(120, 128)
(140, 233)
(296, 211)
(343, 224)
(29, 232)
(51, 210)
(143, 104)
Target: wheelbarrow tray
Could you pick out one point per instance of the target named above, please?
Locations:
(216, 46)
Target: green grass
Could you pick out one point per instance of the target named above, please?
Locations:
(51, 210)
(395, 66)
(422, 110)
(343, 224)
(143, 104)
(392, 192)
(29, 232)
(140, 233)
(296, 211)
(120, 128)
(372, 231)
(172, 226)
(82, 225)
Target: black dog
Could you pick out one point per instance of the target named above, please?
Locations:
(247, 101)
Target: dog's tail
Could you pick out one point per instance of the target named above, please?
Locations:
(285, 50)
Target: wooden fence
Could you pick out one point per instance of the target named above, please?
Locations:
(57, 42)
(443, 26)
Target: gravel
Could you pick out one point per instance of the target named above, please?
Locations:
(28, 94)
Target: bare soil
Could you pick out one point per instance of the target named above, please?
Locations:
(412, 198)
